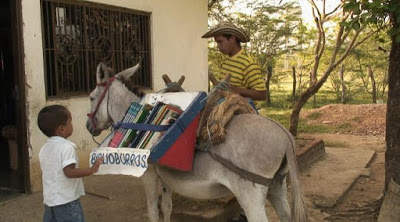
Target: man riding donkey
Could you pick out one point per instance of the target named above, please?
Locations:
(246, 79)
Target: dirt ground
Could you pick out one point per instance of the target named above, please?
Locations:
(358, 127)
(362, 120)
(120, 198)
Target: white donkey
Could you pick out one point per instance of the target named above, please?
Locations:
(260, 146)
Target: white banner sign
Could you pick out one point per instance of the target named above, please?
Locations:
(125, 161)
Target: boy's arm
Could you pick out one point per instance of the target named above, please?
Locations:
(72, 172)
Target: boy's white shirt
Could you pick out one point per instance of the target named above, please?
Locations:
(58, 189)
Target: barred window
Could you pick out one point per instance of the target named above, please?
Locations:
(79, 35)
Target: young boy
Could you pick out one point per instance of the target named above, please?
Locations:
(62, 179)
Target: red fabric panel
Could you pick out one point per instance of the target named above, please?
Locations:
(180, 155)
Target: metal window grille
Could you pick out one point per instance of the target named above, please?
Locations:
(79, 35)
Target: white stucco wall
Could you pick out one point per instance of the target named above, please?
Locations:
(177, 49)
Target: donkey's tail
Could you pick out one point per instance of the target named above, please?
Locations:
(299, 208)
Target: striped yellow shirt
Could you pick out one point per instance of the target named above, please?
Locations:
(244, 70)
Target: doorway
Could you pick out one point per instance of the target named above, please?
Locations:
(13, 170)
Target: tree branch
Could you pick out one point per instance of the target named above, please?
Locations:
(334, 10)
(314, 6)
(366, 37)
(340, 60)
(320, 46)
(344, 37)
(339, 42)
(349, 48)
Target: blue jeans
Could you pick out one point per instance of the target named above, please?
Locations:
(252, 104)
(69, 212)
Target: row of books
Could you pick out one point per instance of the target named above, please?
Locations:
(159, 114)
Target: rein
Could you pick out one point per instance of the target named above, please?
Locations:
(107, 87)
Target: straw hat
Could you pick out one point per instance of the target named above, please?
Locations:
(227, 28)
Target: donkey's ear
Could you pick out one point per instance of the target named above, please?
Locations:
(103, 72)
(127, 73)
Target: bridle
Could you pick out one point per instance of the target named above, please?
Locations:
(107, 85)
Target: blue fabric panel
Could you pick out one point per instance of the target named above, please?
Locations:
(142, 126)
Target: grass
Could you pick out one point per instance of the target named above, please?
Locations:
(329, 143)
(314, 116)
(318, 128)
(283, 116)
(282, 104)
(344, 126)
(283, 100)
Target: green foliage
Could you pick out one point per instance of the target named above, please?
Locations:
(280, 39)
(375, 12)
(215, 59)
(270, 25)
(372, 54)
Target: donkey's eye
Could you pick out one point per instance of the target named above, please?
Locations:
(91, 98)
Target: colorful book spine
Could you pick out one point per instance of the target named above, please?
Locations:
(140, 133)
(140, 118)
(156, 136)
(156, 120)
(159, 114)
(129, 116)
(162, 116)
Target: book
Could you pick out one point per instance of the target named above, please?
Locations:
(129, 116)
(168, 111)
(140, 118)
(155, 121)
(140, 133)
(156, 136)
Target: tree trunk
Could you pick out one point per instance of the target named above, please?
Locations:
(343, 96)
(300, 78)
(302, 100)
(294, 84)
(269, 75)
(312, 80)
(392, 155)
(336, 59)
(390, 210)
(373, 83)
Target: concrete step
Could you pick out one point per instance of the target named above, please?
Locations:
(308, 151)
(332, 176)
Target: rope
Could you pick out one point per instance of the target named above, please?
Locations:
(94, 140)
(214, 132)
